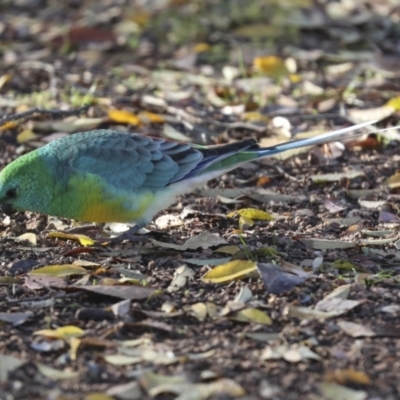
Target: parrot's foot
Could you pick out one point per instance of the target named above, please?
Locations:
(127, 235)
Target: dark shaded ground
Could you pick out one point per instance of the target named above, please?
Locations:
(191, 68)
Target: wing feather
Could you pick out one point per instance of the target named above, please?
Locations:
(127, 161)
(133, 162)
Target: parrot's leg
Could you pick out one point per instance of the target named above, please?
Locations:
(129, 235)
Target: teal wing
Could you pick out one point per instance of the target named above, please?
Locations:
(134, 162)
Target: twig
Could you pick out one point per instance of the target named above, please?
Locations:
(44, 111)
(282, 172)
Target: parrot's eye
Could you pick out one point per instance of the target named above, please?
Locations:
(11, 193)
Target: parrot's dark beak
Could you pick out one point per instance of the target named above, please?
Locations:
(7, 209)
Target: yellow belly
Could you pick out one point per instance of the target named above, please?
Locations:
(98, 210)
(91, 199)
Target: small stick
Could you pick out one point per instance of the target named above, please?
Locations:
(43, 111)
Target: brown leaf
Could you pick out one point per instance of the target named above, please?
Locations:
(348, 376)
(84, 35)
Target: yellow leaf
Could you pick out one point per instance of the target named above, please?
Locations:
(394, 181)
(252, 315)
(8, 125)
(83, 239)
(124, 117)
(149, 117)
(199, 310)
(245, 221)
(4, 79)
(251, 213)
(74, 343)
(59, 270)
(255, 116)
(97, 396)
(295, 78)
(348, 376)
(26, 135)
(201, 47)
(272, 66)
(140, 17)
(394, 103)
(65, 332)
(232, 270)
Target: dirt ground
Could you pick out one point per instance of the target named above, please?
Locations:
(296, 297)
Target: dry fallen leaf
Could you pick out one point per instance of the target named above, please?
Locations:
(348, 376)
(232, 270)
(332, 305)
(252, 315)
(124, 117)
(393, 181)
(356, 330)
(98, 396)
(120, 291)
(180, 278)
(333, 391)
(272, 66)
(336, 306)
(149, 117)
(291, 353)
(65, 332)
(27, 237)
(83, 239)
(325, 178)
(199, 310)
(126, 391)
(205, 240)
(15, 318)
(59, 270)
(121, 359)
(325, 244)
(69, 125)
(276, 280)
(8, 364)
(56, 374)
(251, 214)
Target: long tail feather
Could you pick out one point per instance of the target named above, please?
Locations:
(219, 159)
(320, 139)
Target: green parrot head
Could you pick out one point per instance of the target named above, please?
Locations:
(24, 185)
